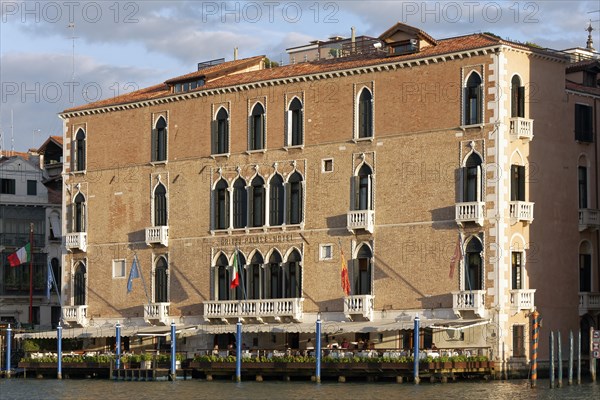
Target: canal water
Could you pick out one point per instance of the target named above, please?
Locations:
(48, 389)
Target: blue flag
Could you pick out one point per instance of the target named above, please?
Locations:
(133, 273)
(49, 280)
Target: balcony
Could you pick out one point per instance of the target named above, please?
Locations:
(589, 302)
(469, 300)
(157, 235)
(521, 211)
(275, 309)
(157, 313)
(521, 128)
(361, 305)
(361, 219)
(588, 219)
(470, 212)
(76, 241)
(75, 315)
(522, 299)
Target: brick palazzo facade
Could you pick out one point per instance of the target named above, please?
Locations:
(402, 157)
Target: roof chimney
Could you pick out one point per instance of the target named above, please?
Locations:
(353, 38)
(235, 53)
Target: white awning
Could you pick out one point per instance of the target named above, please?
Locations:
(80, 333)
(327, 327)
(55, 225)
(337, 327)
(165, 330)
(460, 324)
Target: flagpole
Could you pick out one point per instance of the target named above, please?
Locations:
(243, 283)
(139, 268)
(31, 275)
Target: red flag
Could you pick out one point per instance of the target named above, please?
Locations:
(235, 276)
(345, 278)
(455, 257)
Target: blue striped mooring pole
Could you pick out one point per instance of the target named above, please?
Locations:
(173, 352)
(416, 350)
(238, 352)
(118, 345)
(59, 329)
(8, 349)
(318, 348)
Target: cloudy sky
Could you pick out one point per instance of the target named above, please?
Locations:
(124, 45)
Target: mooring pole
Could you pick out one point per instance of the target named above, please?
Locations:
(579, 357)
(238, 352)
(570, 358)
(318, 348)
(416, 350)
(559, 354)
(534, 348)
(551, 360)
(59, 350)
(173, 352)
(118, 345)
(8, 349)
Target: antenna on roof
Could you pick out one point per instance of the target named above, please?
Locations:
(12, 133)
(72, 27)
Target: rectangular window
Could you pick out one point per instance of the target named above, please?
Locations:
(589, 79)
(518, 341)
(517, 265)
(118, 268)
(328, 165)
(7, 186)
(585, 272)
(31, 187)
(326, 252)
(583, 123)
(517, 183)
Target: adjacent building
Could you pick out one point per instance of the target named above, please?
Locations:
(443, 172)
(31, 198)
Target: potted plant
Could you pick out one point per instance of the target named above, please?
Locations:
(146, 361)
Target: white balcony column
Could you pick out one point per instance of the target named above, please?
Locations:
(76, 241)
(157, 235)
(589, 302)
(521, 211)
(469, 300)
(259, 309)
(361, 219)
(470, 212)
(589, 219)
(522, 299)
(157, 313)
(362, 305)
(521, 128)
(75, 315)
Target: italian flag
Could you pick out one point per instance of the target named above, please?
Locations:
(20, 256)
(235, 275)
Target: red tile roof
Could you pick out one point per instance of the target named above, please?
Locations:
(590, 65)
(444, 46)
(9, 154)
(218, 69)
(578, 87)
